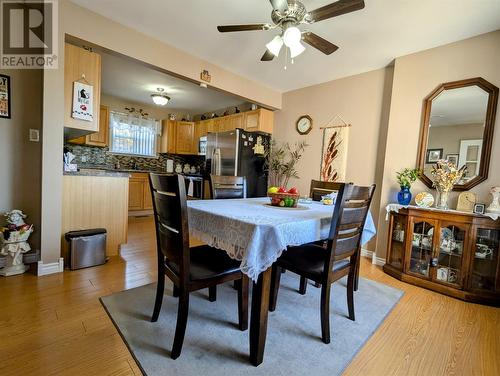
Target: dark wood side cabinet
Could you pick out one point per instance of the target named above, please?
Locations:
(450, 252)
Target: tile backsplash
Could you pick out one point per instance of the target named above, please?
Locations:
(98, 157)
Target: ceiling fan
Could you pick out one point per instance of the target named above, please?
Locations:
(288, 15)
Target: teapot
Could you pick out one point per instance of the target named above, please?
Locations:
(187, 168)
(178, 168)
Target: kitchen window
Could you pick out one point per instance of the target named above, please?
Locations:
(133, 135)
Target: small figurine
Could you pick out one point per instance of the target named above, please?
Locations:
(495, 203)
(14, 242)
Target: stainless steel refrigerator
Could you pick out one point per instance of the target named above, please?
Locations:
(239, 153)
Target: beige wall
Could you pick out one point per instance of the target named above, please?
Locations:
(20, 177)
(362, 100)
(415, 76)
(91, 27)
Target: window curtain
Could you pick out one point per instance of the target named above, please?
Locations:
(131, 134)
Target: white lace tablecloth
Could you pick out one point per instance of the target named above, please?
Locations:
(256, 233)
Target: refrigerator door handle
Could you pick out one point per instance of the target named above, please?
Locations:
(218, 165)
(212, 166)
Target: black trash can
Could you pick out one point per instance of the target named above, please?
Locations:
(86, 248)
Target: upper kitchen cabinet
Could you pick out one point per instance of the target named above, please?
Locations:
(100, 138)
(261, 120)
(168, 135)
(83, 66)
(184, 138)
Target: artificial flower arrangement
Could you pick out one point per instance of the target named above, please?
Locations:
(405, 179)
(446, 175)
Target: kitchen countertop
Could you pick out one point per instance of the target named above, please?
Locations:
(97, 172)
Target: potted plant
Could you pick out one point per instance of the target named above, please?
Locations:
(405, 179)
(446, 175)
(281, 162)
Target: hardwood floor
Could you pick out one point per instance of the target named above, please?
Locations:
(55, 325)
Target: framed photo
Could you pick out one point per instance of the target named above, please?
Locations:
(5, 96)
(479, 208)
(434, 155)
(452, 158)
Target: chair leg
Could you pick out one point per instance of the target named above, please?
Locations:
(212, 293)
(350, 293)
(236, 284)
(303, 285)
(180, 329)
(356, 274)
(325, 312)
(243, 303)
(275, 285)
(175, 292)
(160, 288)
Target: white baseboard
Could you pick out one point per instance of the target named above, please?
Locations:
(50, 268)
(370, 254)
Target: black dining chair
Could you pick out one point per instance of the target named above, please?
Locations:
(189, 268)
(224, 187)
(327, 264)
(318, 189)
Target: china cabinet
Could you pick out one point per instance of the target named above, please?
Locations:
(450, 252)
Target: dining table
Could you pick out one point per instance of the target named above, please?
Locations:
(256, 234)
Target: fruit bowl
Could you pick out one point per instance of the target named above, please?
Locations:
(284, 200)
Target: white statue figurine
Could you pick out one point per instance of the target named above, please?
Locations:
(495, 204)
(13, 243)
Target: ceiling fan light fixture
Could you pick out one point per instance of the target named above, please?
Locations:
(292, 36)
(160, 98)
(296, 49)
(275, 45)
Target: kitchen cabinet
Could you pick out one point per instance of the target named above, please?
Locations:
(184, 138)
(85, 66)
(261, 120)
(96, 202)
(450, 252)
(100, 138)
(139, 193)
(168, 134)
(237, 121)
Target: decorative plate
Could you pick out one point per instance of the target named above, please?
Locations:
(424, 199)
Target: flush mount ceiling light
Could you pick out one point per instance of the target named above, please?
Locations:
(160, 98)
(286, 16)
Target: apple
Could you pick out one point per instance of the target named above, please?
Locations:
(281, 190)
(293, 190)
(282, 203)
(272, 190)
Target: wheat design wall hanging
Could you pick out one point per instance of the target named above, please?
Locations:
(334, 150)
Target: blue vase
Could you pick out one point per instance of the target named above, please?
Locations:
(404, 196)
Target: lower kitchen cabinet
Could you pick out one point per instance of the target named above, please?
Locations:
(139, 193)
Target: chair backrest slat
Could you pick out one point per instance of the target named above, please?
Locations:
(351, 209)
(224, 187)
(170, 209)
(322, 188)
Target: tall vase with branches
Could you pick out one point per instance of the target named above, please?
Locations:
(282, 162)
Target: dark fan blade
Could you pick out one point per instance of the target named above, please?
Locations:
(336, 9)
(268, 56)
(319, 43)
(280, 5)
(230, 28)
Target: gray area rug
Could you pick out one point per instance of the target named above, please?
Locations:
(214, 346)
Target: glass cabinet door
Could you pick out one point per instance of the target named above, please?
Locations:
(452, 242)
(421, 247)
(485, 259)
(398, 235)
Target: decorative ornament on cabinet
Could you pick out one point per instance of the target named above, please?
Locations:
(495, 203)
(405, 179)
(466, 202)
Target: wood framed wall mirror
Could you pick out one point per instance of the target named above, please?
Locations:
(457, 124)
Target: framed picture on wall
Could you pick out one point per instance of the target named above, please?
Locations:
(434, 155)
(452, 158)
(5, 96)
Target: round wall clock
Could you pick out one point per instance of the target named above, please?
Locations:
(304, 124)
